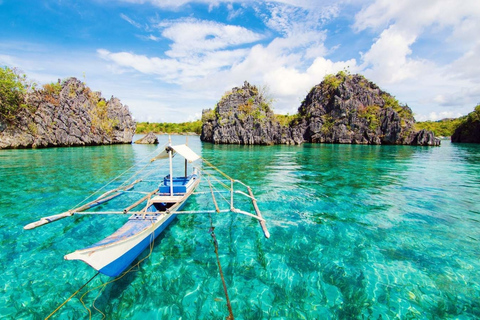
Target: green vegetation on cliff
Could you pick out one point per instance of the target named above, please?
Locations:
(13, 88)
(165, 127)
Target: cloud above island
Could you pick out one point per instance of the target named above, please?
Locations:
(168, 60)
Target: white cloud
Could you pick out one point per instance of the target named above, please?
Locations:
(387, 60)
(232, 12)
(289, 55)
(435, 116)
(191, 36)
(131, 21)
(468, 66)
(175, 4)
(424, 82)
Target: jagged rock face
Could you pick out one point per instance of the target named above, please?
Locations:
(71, 117)
(243, 117)
(150, 138)
(350, 109)
(342, 109)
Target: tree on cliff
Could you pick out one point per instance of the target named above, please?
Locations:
(469, 130)
(13, 88)
(63, 113)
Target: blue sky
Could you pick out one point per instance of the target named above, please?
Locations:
(169, 59)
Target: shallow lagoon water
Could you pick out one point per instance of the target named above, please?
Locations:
(357, 232)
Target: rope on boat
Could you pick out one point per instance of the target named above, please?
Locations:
(218, 170)
(215, 244)
(121, 174)
(102, 286)
(73, 295)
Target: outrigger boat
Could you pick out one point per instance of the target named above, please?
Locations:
(112, 255)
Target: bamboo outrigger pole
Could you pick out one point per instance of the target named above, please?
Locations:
(257, 211)
(140, 201)
(102, 199)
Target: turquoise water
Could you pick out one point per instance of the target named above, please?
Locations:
(357, 232)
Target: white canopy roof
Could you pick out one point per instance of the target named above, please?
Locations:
(183, 150)
(186, 152)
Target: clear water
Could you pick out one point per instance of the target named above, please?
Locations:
(357, 232)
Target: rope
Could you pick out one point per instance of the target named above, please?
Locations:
(121, 174)
(215, 168)
(102, 286)
(74, 294)
(215, 244)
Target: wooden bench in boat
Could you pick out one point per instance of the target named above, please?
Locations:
(166, 199)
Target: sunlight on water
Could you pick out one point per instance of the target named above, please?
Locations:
(357, 232)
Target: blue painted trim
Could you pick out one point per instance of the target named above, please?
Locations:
(116, 267)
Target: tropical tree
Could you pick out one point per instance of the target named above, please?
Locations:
(12, 92)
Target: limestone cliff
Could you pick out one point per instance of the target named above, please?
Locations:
(243, 116)
(67, 114)
(350, 109)
(343, 108)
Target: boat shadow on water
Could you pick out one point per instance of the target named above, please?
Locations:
(100, 297)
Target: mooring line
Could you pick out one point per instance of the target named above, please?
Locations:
(215, 244)
(73, 295)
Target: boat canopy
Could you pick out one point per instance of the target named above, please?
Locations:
(181, 149)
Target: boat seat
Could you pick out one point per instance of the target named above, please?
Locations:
(166, 199)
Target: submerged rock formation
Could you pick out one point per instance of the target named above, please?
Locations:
(341, 109)
(150, 138)
(469, 130)
(67, 114)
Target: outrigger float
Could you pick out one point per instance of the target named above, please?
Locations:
(112, 255)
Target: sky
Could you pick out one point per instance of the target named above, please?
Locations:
(170, 59)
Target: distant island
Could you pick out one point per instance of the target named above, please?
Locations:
(343, 108)
(192, 127)
(65, 113)
(469, 129)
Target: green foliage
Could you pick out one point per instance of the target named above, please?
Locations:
(370, 113)
(209, 115)
(447, 127)
(100, 119)
(287, 120)
(32, 128)
(51, 93)
(328, 123)
(52, 88)
(475, 115)
(391, 102)
(442, 128)
(165, 127)
(12, 93)
(331, 81)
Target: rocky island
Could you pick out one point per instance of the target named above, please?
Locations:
(66, 113)
(469, 130)
(343, 108)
